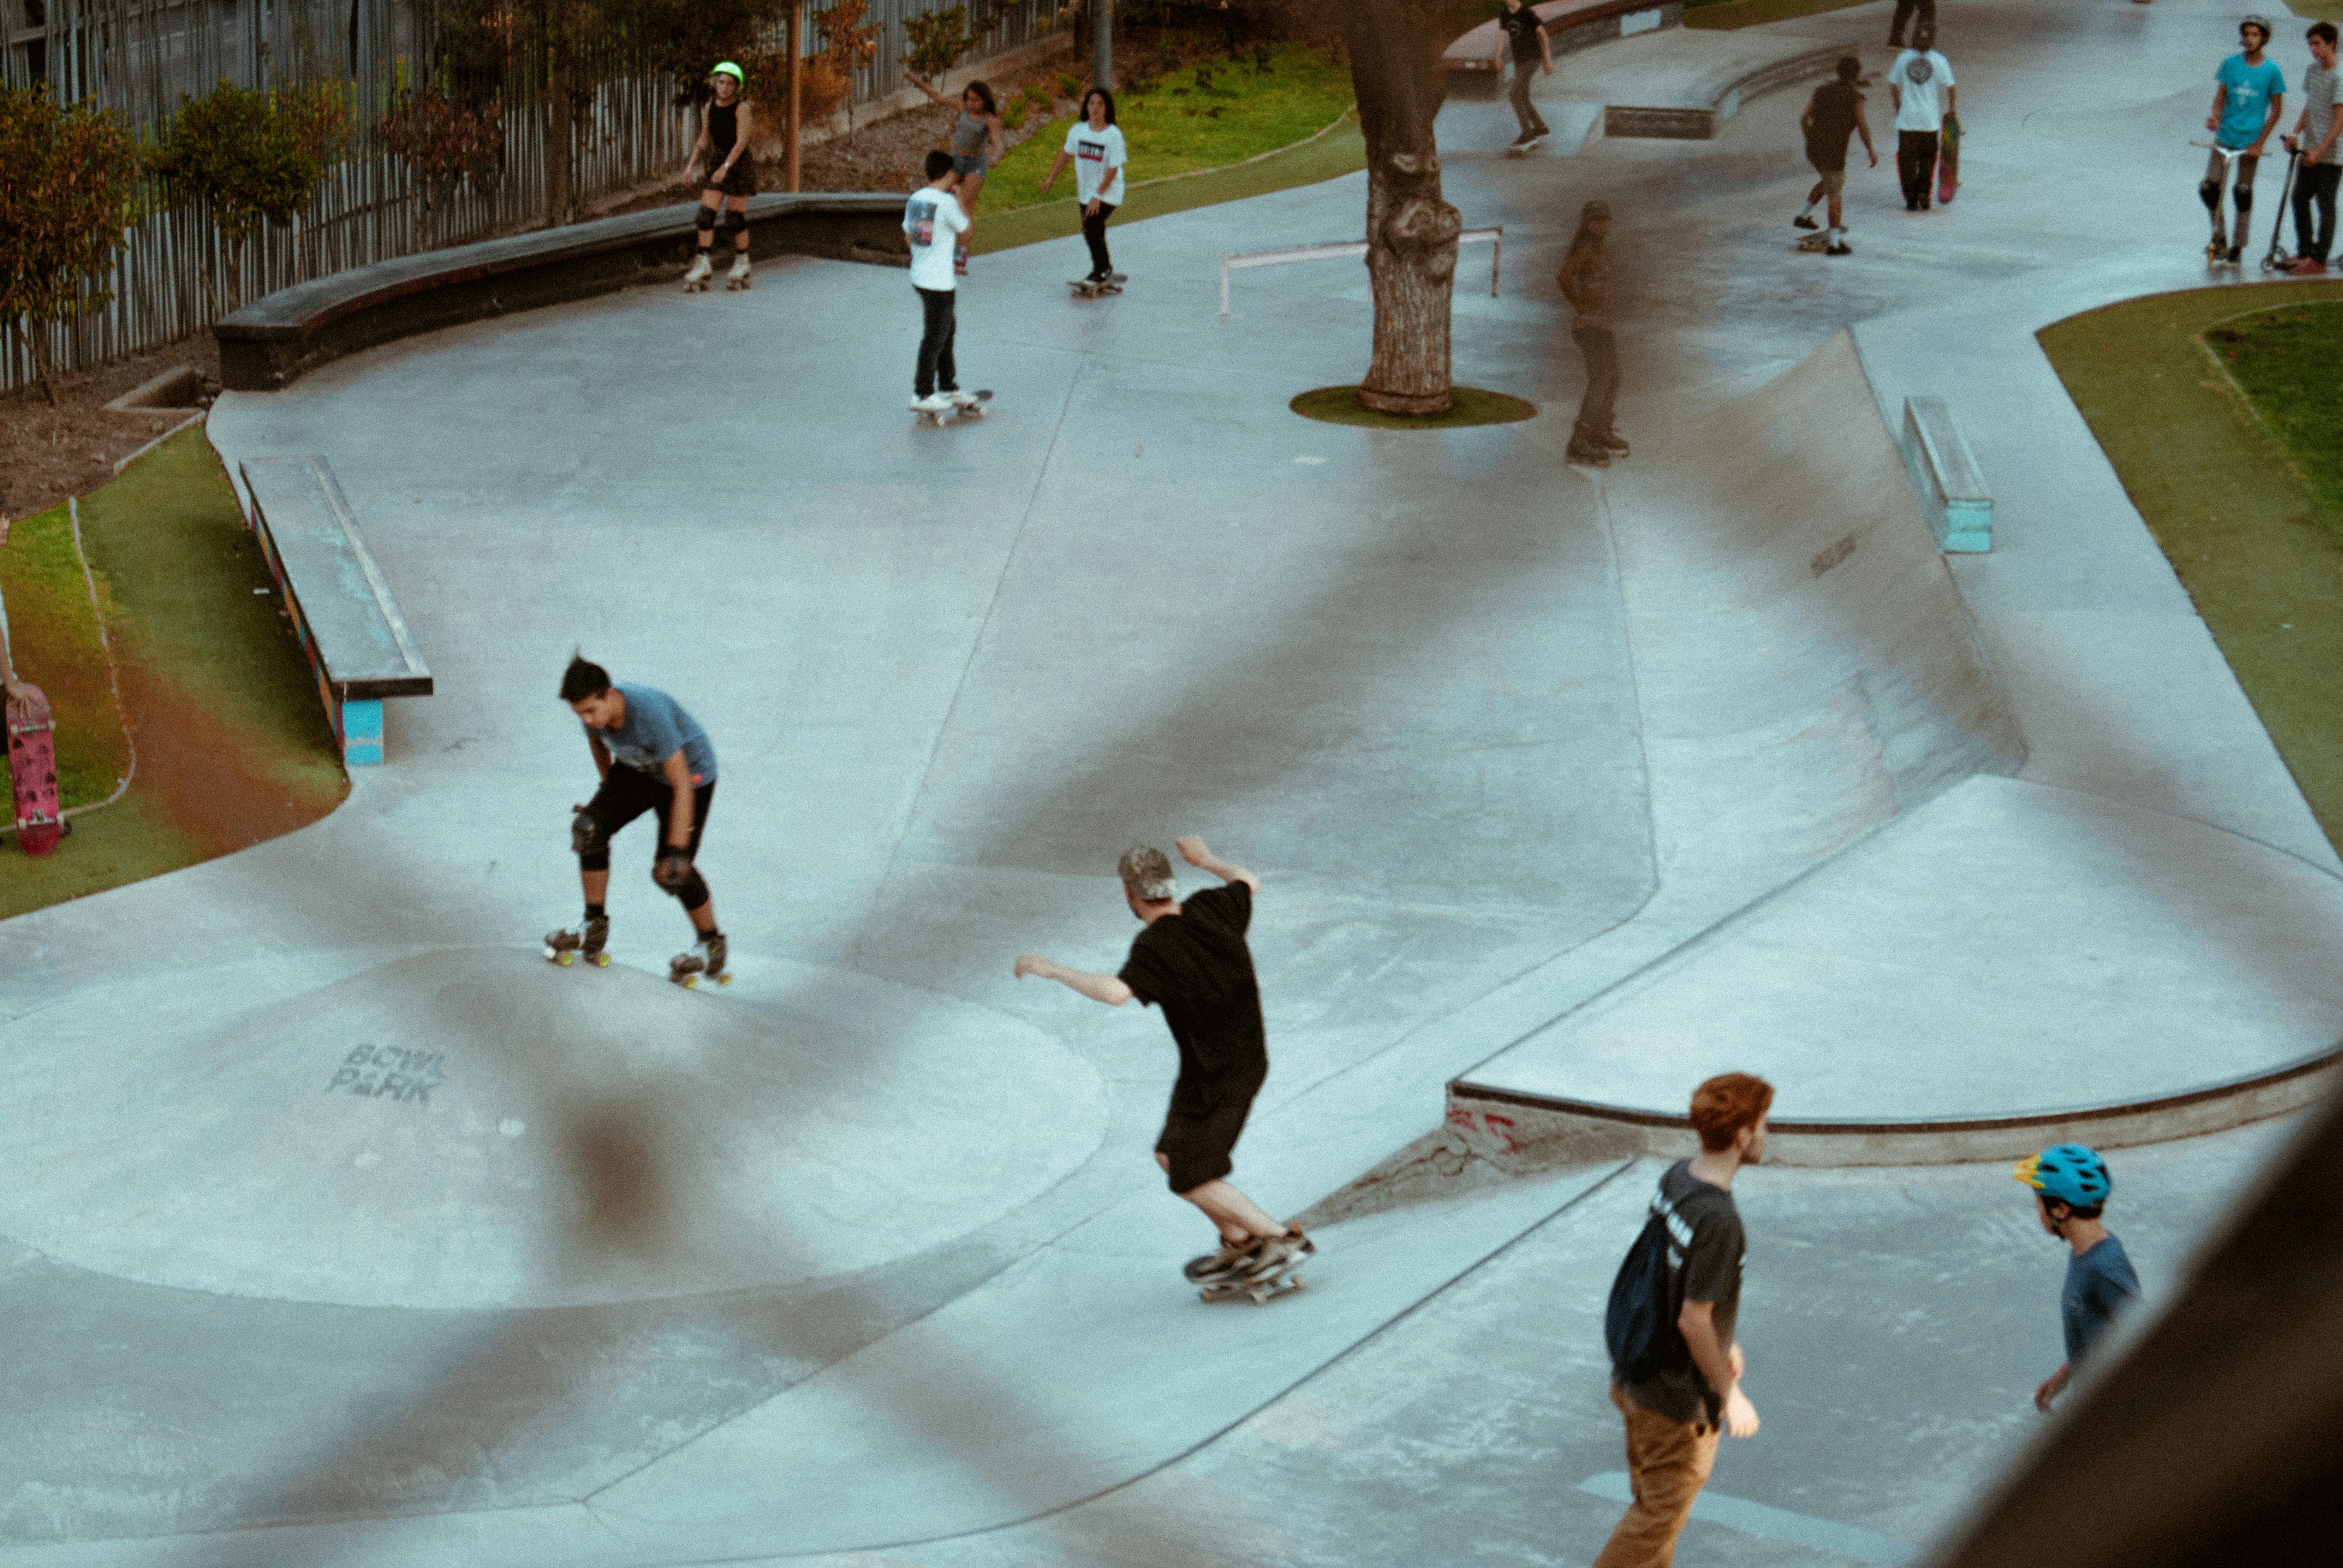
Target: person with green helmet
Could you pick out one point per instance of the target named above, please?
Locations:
(2071, 1185)
(723, 150)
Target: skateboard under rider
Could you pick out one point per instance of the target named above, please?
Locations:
(974, 408)
(1247, 1279)
(1096, 287)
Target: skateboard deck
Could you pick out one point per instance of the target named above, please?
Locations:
(975, 410)
(1090, 291)
(1949, 161)
(33, 768)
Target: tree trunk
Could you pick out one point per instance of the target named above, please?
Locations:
(37, 340)
(795, 122)
(559, 141)
(1411, 230)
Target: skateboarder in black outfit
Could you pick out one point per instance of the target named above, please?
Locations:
(1533, 52)
(1193, 962)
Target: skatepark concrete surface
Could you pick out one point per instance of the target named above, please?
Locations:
(1571, 786)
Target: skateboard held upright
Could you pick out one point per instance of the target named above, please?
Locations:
(1949, 161)
(32, 767)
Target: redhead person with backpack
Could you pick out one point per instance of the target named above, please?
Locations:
(1675, 1366)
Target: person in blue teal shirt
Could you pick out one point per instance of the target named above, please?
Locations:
(2247, 103)
(2071, 1185)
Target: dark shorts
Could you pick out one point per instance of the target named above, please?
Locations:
(1201, 1130)
(965, 165)
(740, 182)
(628, 792)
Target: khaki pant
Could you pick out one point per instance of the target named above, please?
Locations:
(1668, 1461)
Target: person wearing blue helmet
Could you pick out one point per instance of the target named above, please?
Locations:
(2070, 1186)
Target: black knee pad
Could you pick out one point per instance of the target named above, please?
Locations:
(736, 223)
(706, 221)
(693, 893)
(588, 842)
(2210, 193)
(2244, 200)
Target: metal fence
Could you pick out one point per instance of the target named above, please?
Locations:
(139, 56)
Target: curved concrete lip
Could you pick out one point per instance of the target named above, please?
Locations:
(473, 1127)
(2008, 958)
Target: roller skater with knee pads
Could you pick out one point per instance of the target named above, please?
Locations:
(653, 756)
(2248, 98)
(723, 150)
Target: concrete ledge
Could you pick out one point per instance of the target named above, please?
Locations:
(1711, 101)
(1945, 476)
(1474, 64)
(1527, 1129)
(275, 340)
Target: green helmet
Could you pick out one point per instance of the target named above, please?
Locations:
(727, 68)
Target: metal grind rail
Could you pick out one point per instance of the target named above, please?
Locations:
(1492, 237)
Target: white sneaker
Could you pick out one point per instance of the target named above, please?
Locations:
(960, 399)
(934, 403)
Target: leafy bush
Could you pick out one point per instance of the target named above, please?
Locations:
(442, 141)
(68, 191)
(244, 153)
(938, 39)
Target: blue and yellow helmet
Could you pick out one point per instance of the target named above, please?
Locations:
(2070, 1172)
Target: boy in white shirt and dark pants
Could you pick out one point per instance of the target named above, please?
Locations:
(933, 221)
(1921, 82)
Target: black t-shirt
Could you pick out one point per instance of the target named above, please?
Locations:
(1195, 966)
(1707, 1246)
(1524, 27)
(1834, 107)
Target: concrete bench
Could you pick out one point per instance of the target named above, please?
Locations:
(1945, 474)
(1702, 105)
(1475, 65)
(275, 339)
(357, 642)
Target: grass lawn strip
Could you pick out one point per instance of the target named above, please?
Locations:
(2283, 363)
(2259, 551)
(233, 743)
(54, 639)
(1244, 132)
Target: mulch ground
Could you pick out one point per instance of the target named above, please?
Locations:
(48, 454)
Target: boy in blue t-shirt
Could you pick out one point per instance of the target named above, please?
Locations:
(654, 758)
(2071, 1185)
(2246, 107)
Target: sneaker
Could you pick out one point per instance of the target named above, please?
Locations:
(1592, 456)
(1840, 249)
(960, 399)
(2306, 267)
(1276, 1255)
(1518, 143)
(934, 403)
(1534, 137)
(1804, 221)
(1611, 441)
(1223, 1263)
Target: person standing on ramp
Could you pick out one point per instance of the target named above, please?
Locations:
(723, 150)
(1191, 961)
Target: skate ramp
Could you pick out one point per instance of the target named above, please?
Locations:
(1930, 958)
(477, 1128)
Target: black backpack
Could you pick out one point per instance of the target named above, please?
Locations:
(1639, 1325)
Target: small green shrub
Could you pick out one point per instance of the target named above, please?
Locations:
(68, 191)
(251, 155)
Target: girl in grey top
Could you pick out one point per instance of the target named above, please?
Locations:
(976, 145)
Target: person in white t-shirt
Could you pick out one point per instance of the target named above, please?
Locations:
(1094, 147)
(1921, 82)
(932, 218)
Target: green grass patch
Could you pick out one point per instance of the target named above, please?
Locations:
(2317, 10)
(1726, 13)
(1238, 130)
(2232, 463)
(233, 746)
(53, 633)
(1475, 405)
